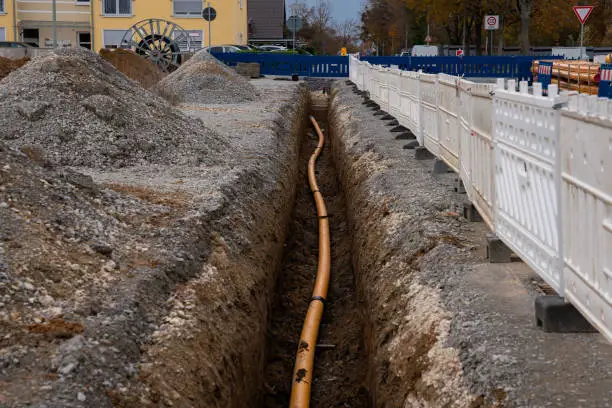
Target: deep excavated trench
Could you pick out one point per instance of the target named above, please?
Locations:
(339, 373)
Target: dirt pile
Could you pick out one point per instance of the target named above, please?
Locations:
(83, 112)
(64, 242)
(9, 65)
(133, 66)
(204, 79)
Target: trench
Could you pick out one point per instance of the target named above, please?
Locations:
(340, 363)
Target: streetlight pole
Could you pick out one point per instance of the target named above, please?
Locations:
(54, 19)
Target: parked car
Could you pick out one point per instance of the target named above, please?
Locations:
(222, 49)
(14, 44)
(269, 47)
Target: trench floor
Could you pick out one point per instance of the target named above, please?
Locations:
(340, 364)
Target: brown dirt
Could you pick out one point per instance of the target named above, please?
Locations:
(340, 373)
(9, 65)
(133, 66)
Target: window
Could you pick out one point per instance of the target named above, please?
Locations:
(2, 10)
(117, 7)
(84, 40)
(2, 33)
(187, 8)
(112, 38)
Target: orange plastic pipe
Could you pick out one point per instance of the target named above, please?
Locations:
(304, 362)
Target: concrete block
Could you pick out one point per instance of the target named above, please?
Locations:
(421, 153)
(379, 113)
(411, 145)
(399, 129)
(459, 187)
(388, 117)
(471, 213)
(405, 136)
(394, 122)
(440, 167)
(554, 315)
(497, 251)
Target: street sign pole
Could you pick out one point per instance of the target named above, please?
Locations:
(491, 23)
(209, 29)
(582, 12)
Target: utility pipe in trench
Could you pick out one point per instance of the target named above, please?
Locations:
(302, 374)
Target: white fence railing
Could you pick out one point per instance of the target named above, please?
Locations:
(538, 169)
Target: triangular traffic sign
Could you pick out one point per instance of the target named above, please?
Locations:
(583, 12)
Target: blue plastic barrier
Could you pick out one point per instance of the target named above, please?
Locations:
(285, 64)
(605, 81)
(517, 67)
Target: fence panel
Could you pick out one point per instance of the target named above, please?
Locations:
(448, 120)
(286, 64)
(526, 133)
(410, 103)
(482, 190)
(383, 76)
(586, 191)
(465, 125)
(428, 133)
(393, 77)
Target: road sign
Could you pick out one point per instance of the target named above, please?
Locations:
(459, 53)
(294, 24)
(491, 23)
(583, 12)
(428, 39)
(209, 14)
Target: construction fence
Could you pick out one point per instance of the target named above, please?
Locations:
(536, 167)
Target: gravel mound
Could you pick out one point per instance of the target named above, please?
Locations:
(81, 111)
(204, 79)
(133, 66)
(9, 65)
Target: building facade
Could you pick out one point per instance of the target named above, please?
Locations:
(96, 24)
(32, 22)
(111, 18)
(266, 19)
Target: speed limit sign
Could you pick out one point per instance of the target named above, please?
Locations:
(491, 22)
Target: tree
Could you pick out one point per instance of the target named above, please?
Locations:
(347, 31)
(525, 7)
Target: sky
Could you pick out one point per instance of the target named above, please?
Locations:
(341, 9)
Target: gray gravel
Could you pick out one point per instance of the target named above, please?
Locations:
(203, 79)
(80, 111)
(102, 259)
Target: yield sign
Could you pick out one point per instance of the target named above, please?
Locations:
(583, 12)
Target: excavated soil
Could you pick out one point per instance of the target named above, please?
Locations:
(133, 66)
(8, 65)
(339, 377)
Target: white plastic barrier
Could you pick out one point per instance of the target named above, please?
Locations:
(525, 137)
(428, 132)
(409, 115)
(448, 120)
(586, 202)
(384, 76)
(465, 134)
(394, 79)
(539, 178)
(481, 154)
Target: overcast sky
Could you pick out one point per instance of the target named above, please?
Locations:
(341, 9)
